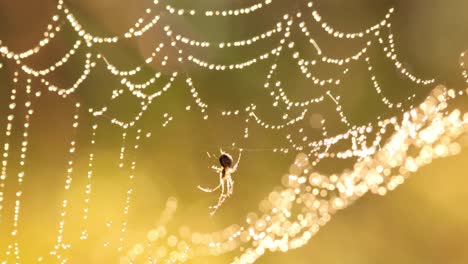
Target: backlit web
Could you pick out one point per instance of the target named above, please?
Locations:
(308, 111)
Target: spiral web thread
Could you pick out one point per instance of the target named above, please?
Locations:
(288, 218)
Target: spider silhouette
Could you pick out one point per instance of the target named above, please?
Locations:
(226, 183)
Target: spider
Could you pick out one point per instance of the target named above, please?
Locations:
(225, 180)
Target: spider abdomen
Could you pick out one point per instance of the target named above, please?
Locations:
(225, 161)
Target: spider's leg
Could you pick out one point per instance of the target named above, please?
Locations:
(232, 186)
(228, 187)
(221, 200)
(217, 169)
(231, 181)
(221, 180)
(215, 208)
(222, 195)
(208, 190)
(238, 160)
(221, 184)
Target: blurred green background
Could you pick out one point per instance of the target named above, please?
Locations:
(423, 221)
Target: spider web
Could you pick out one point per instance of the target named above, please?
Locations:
(314, 126)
